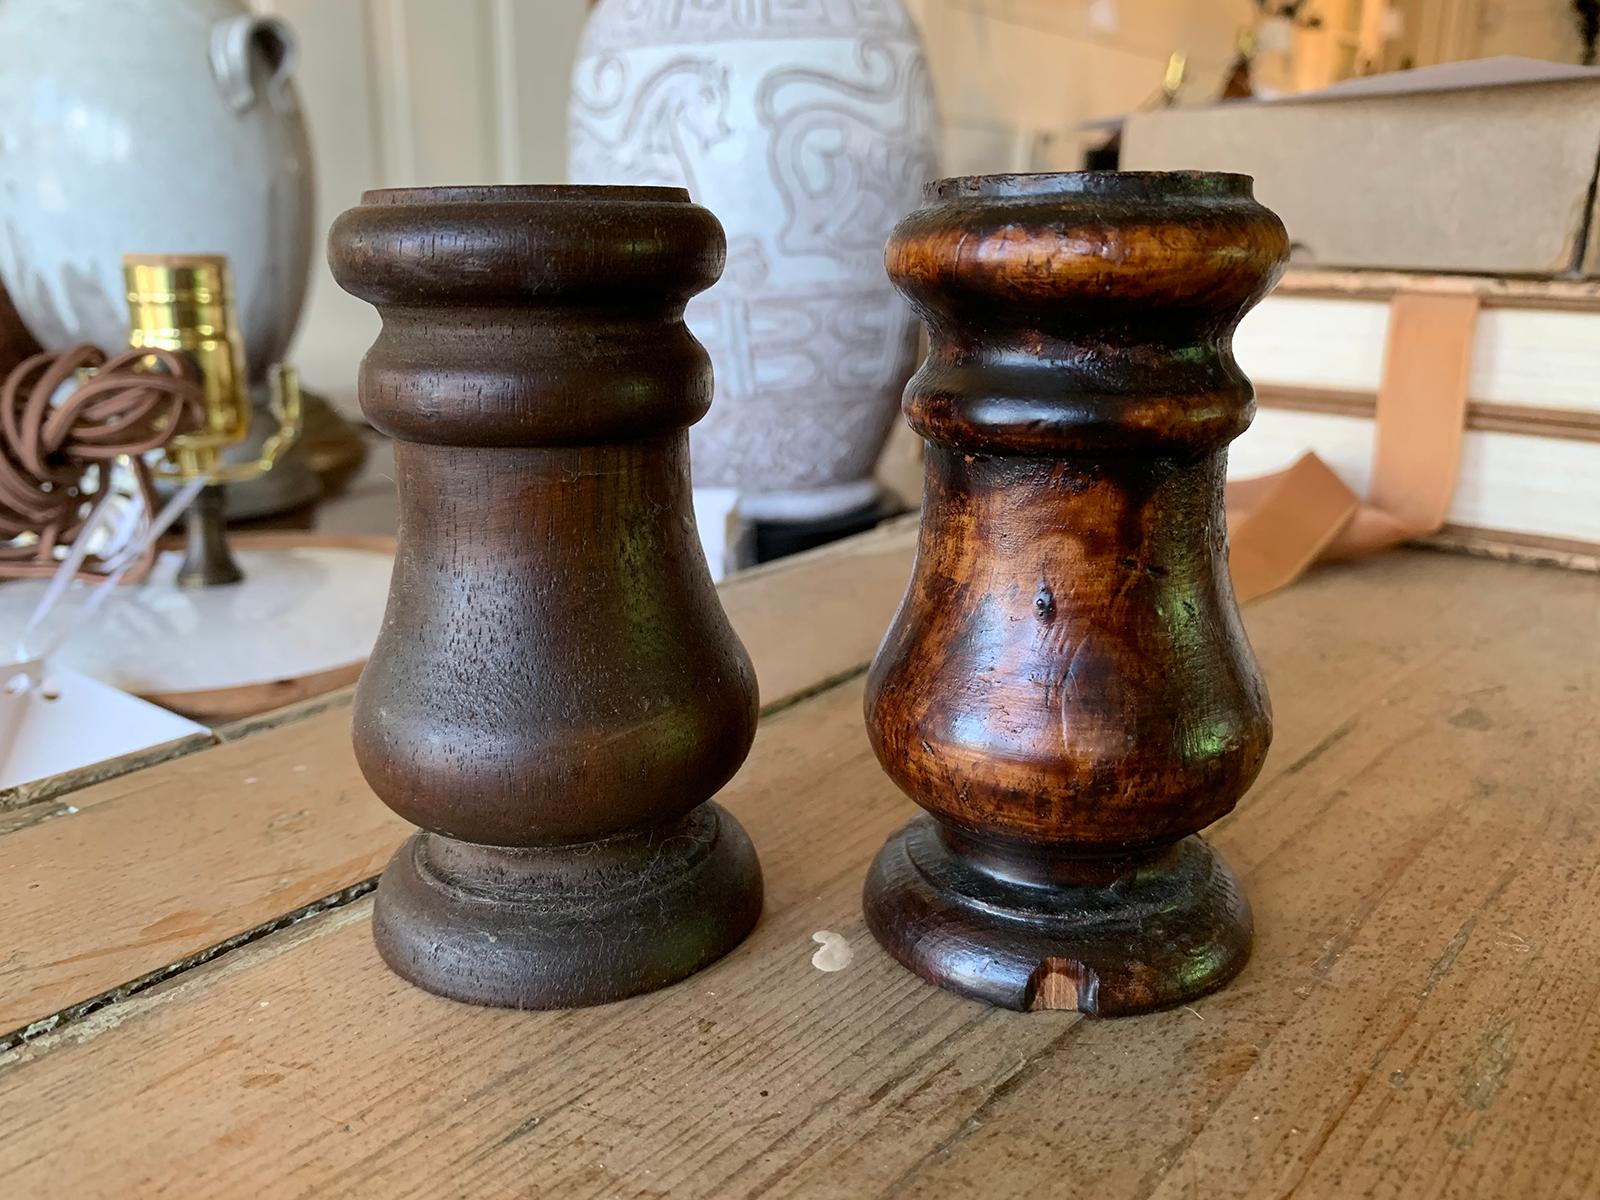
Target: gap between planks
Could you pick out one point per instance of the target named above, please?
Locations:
(79, 1010)
(893, 535)
(1422, 841)
(148, 875)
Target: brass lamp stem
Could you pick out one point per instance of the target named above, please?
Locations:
(207, 561)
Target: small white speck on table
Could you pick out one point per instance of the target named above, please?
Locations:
(833, 951)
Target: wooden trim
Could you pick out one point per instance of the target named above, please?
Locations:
(1333, 402)
(279, 539)
(219, 705)
(295, 539)
(1482, 416)
(504, 50)
(1582, 295)
(1532, 549)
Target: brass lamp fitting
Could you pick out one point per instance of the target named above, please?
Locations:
(184, 303)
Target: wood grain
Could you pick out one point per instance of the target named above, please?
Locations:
(1067, 690)
(775, 1103)
(161, 865)
(1419, 1017)
(556, 692)
(1423, 879)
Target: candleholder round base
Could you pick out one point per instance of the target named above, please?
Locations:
(567, 926)
(1158, 932)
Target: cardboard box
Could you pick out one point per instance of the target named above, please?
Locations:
(1486, 166)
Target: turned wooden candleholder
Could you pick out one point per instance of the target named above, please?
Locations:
(1066, 688)
(556, 691)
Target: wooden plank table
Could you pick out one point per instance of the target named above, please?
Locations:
(195, 1007)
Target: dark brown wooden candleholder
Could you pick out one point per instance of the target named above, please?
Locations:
(1067, 689)
(556, 691)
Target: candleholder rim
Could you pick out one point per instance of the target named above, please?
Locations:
(1132, 185)
(528, 193)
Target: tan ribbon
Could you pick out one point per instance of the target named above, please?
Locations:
(1279, 524)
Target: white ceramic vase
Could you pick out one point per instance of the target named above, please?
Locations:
(153, 127)
(808, 127)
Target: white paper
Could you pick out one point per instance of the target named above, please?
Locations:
(59, 720)
(300, 611)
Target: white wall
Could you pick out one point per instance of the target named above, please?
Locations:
(469, 91)
(1536, 28)
(1445, 30)
(409, 92)
(1015, 77)
(403, 92)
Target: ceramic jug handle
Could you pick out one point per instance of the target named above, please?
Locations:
(236, 44)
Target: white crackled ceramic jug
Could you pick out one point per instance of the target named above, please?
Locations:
(808, 127)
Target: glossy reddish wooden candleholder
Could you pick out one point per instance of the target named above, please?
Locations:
(1066, 688)
(556, 691)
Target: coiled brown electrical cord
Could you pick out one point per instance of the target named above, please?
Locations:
(56, 460)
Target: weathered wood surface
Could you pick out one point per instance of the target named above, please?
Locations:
(1419, 1017)
(36, 791)
(126, 878)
